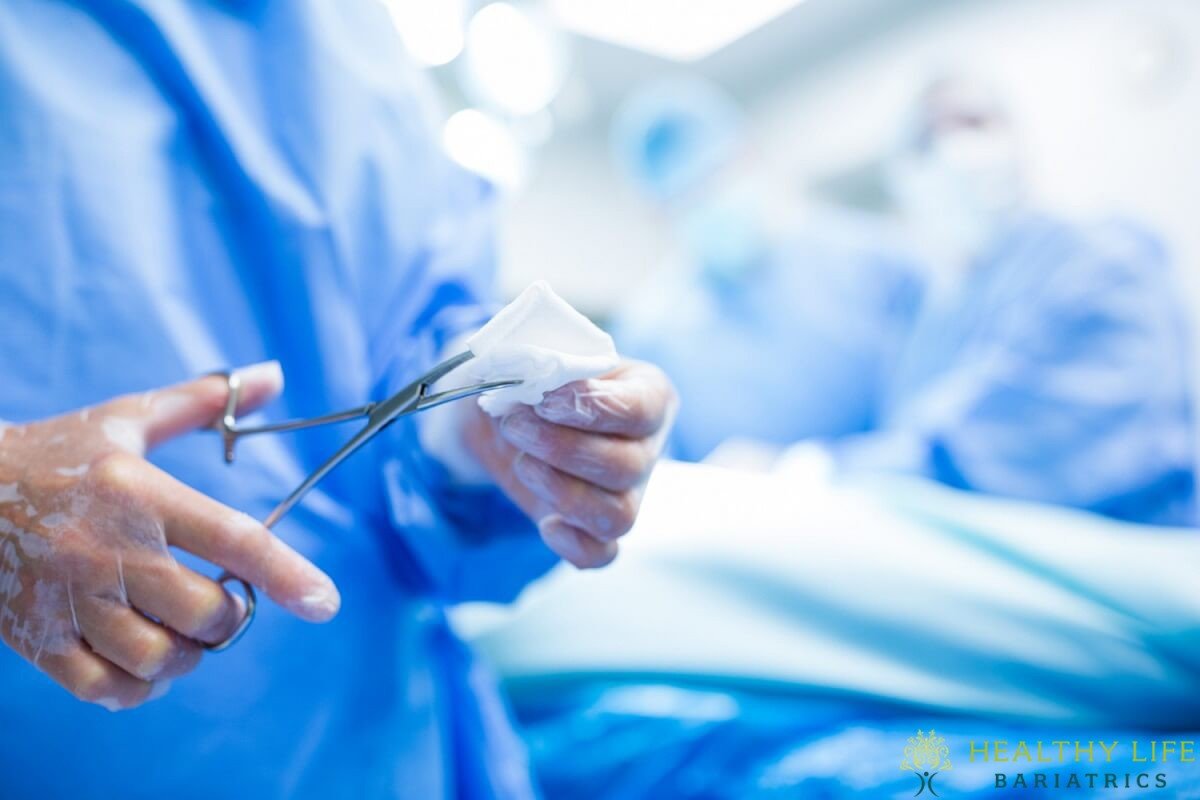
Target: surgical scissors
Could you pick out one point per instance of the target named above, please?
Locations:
(411, 399)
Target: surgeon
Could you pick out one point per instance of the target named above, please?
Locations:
(775, 318)
(1049, 358)
(188, 187)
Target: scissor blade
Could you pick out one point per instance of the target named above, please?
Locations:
(445, 368)
(450, 395)
(406, 401)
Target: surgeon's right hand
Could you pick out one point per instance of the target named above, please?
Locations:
(89, 590)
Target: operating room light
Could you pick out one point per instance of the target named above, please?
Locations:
(486, 146)
(681, 30)
(513, 61)
(432, 32)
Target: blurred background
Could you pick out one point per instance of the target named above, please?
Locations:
(953, 239)
(1105, 92)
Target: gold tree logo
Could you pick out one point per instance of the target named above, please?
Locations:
(926, 754)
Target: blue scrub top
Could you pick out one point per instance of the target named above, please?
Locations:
(187, 187)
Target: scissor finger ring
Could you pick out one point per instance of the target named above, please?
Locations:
(251, 604)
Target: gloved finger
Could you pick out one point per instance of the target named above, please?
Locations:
(202, 526)
(633, 400)
(94, 679)
(137, 645)
(184, 600)
(600, 513)
(613, 462)
(574, 544)
(142, 421)
(496, 456)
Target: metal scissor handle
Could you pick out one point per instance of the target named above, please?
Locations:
(248, 617)
(412, 398)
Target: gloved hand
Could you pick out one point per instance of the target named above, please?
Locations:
(577, 462)
(89, 591)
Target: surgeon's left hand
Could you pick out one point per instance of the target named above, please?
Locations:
(577, 462)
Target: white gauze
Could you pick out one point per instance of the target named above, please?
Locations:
(541, 340)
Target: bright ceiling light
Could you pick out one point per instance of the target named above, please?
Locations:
(485, 146)
(431, 30)
(682, 30)
(514, 61)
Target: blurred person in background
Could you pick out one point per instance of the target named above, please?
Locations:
(985, 344)
(1048, 360)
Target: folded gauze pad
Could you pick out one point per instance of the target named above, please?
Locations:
(540, 339)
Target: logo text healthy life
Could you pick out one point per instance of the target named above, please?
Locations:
(1074, 751)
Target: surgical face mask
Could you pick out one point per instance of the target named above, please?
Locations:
(955, 196)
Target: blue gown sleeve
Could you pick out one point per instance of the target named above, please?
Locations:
(471, 543)
(1072, 388)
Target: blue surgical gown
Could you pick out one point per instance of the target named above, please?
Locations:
(1058, 372)
(187, 187)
